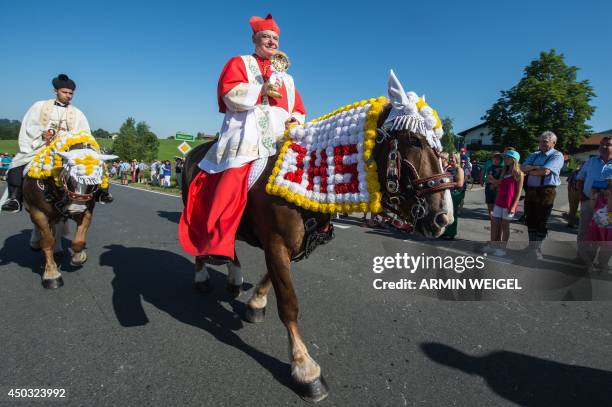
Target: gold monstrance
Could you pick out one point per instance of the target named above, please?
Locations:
(280, 64)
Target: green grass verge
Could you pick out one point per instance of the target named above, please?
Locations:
(8, 146)
(167, 148)
(173, 190)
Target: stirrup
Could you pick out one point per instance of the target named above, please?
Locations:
(216, 260)
(104, 197)
(12, 205)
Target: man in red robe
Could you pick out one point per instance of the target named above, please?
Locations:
(255, 120)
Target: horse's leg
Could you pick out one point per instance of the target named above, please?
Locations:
(51, 278)
(79, 256)
(234, 277)
(305, 372)
(202, 279)
(256, 306)
(35, 239)
(58, 233)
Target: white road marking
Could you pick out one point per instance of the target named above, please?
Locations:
(176, 196)
(341, 226)
(145, 190)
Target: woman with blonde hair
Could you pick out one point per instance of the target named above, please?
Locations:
(509, 188)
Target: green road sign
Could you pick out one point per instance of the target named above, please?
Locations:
(184, 136)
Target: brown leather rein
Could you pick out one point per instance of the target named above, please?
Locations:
(74, 196)
(418, 186)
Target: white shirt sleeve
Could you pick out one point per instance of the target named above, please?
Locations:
(81, 122)
(242, 97)
(30, 133)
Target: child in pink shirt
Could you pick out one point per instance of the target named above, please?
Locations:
(509, 189)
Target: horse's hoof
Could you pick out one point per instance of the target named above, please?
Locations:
(78, 263)
(53, 283)
(255, 315)
(314, 391)
(203, 286)
(234, 290)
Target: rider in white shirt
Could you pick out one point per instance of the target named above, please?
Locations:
(41, 122)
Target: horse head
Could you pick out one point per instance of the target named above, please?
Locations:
(413, 183)
(81, 176)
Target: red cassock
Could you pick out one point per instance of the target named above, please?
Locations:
(216, 202)
(234, 73)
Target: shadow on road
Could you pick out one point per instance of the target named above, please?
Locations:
(173, 217)
(476, 214)
(16, 249)
(528, 380)
(165, 279)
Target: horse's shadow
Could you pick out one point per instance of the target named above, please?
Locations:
(528, 380)
(165, 280)
(16, 249)
(173, 217)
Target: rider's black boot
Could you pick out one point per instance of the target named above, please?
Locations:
(104, 197)
(13, 203)
(14, 179)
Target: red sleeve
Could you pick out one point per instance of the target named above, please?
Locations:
(234, 73)
(298, 107)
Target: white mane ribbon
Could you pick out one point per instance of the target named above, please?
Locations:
(406, 115)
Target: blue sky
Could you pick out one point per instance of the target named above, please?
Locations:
(159, 61)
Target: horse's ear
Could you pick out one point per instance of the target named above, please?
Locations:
(397, 95)
(106, 157)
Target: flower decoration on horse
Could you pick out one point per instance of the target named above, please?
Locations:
(76, 155)
(327, 164)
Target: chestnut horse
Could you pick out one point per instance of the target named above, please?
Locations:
(51, 206)
(278, 227)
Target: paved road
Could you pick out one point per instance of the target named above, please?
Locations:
(127, 329)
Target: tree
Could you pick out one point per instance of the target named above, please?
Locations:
(148, 143)
(126, 143)
(448, 139)
(9, 129)
(548, 97)
(101, 134)
(136, 142)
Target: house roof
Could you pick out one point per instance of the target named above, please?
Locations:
(464, 132)
(595, 138)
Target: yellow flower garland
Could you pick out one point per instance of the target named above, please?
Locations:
(374, 206)
(48, 164)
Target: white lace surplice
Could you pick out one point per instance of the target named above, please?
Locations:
(250, 130)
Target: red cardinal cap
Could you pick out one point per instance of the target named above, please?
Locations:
(261, 24)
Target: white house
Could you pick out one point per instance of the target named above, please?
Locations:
(477, 136)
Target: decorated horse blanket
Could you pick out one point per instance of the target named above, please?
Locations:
(84, 165)
(324, 165)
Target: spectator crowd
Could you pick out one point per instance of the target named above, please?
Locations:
(158, 173)
(506, 181)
